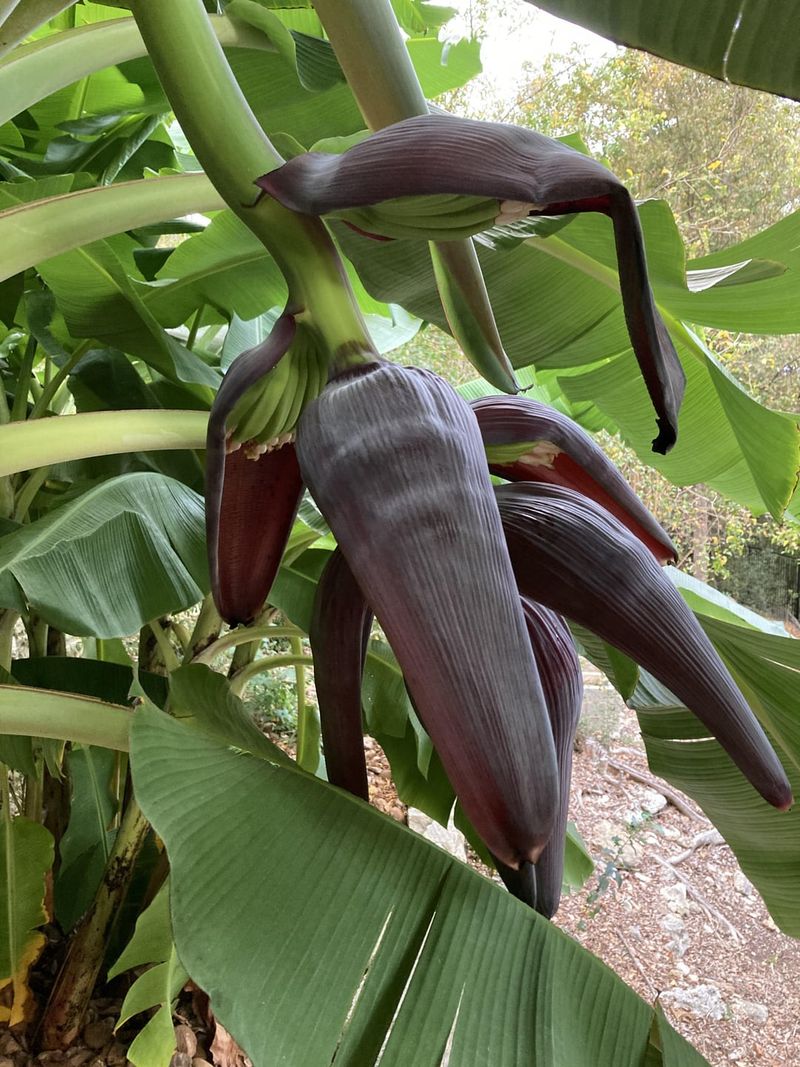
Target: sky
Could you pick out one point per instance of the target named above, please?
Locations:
(523, 34)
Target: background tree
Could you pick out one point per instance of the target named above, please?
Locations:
(725, 158)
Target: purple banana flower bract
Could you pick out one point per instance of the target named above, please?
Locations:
(539, 884)
(339, 633)
(565, 455)
(572, 556)
(395, 462)
(441, 154)
(562, 682)
(250, 503)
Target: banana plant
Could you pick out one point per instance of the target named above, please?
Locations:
(165, 411)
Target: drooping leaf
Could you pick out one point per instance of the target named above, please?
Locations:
(152, 938)
(767, 669)
(225, 266)
(127, 551)
(97, 298)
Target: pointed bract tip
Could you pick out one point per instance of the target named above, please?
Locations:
(667, 436)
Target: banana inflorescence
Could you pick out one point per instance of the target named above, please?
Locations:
(472, 585)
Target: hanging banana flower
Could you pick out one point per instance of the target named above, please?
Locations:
(539, 884)
(253, 483)
(574, 557)
(395, 462)
(531, 442)
(437, 176)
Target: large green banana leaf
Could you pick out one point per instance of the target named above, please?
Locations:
(306, 896)
(127, 551)
(557, 305)
(746, 43)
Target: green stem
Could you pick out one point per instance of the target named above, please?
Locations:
(27, 493)
(51, 387)
(69, 999)
(182, 633)
(34, 792)
(8, 622)
(168, 653)
(214, 114)
(307, 749)
(369, 45)
(20, 404)
(6, 497)
(36, 630)
(205, 632)
(10, 855)
(190, 340)
(373, 54)
(5, 414)
(38, 442)
(241, 636)
(268, 663)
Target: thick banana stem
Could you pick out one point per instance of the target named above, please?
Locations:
(370, 48)
(214, 114)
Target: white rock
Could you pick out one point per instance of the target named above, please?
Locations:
(749, 1011)
(631, 856)
(653, 802)
(705, 1001)
(742, 884)
(676, 898)
(676, 928)
(449, 838)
